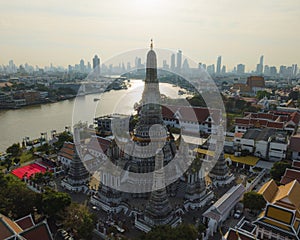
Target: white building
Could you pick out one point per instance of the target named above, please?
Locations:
(222, 209)
(192, 119)
(295, 147)
(66, 153)
(264, 143)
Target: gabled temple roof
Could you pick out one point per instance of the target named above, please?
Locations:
(24, 228)
(99, 144)
(191, 114)
(67, 150)
(38, 232)
(217, 210)
(25, 222)
(290, 175)
(286, 195)
(8, 227)
(236, 234)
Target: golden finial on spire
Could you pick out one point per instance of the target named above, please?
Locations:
(151, 45)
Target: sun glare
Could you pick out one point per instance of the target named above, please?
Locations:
(147, 4)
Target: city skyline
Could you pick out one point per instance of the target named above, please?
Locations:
(182, 62)
(38, 33)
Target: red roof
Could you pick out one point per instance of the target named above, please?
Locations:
(11, 230)
(290, 175)
(295, 143)
(28, 171)
(273, 119)
(194, 114)
(234, 234)
(67, 150)
(168, 111)
(99, 144)
(242, 121)
(38, 232)
(296, 164)
(25, 222)
(277, 125)
(295, 117)
(191, 114)
(258, 123)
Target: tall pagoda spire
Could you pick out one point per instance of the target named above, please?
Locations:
(150, 112)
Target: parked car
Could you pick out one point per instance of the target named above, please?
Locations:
(95, 208)
(63, 233)
(237, 214)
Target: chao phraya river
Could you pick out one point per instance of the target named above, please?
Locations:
(34, 120)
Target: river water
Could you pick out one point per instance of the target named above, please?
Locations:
(32, 121)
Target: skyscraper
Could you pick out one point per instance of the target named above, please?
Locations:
(267, 70)
(89, 67)
(173, 62)
(219, 63)
(179, 59)
(81, 65)
(240, 69)
(211, 69)
(223, 69)
(295, 69)
(96, 65)
(273, 71)
(260, 66)
(165, 65)
(185, 64)
(261, 62)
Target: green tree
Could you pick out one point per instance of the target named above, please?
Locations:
(42, 178)
(54, 202)
(278, 170)
(197, 101)
(17, 160)
(254, 201)
(165, 232)
(7, 162)
(294, 95)
(63, 137)
(16, 200)
(78, 218)
(262, 94)
(14, 150)
(46, 148)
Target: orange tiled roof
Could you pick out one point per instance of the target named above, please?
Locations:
(67, 151)
(8, 227)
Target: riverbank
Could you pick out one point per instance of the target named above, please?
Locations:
(46, 101)
(31, 121)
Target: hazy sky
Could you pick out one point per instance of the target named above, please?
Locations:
(64, 31)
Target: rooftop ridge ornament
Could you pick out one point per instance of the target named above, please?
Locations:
(151, 45)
